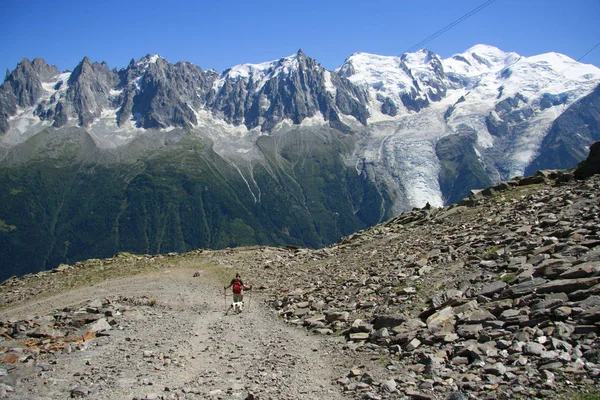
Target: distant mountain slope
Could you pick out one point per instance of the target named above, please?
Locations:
(571, 134)
(79, 201)
(169, 157)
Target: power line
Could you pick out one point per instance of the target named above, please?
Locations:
(588, 52)
(449, 26)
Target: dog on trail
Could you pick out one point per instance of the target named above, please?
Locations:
(237, 306)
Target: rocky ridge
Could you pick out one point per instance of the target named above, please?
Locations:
(152, 93)
(495, 297)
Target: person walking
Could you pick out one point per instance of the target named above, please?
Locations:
(238, 292)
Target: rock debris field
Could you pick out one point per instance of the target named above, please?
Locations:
(497, 297)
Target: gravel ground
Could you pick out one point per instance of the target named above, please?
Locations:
(183, 346)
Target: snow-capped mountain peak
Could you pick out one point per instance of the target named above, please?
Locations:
(479, 59)
(148, 59)
(490, 53)
(419, 57)
(388, 75)
(262, 72)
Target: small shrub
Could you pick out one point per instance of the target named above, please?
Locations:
(508, 277)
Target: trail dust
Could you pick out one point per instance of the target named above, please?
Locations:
(183, 346)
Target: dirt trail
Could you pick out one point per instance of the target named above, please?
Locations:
(183, 347)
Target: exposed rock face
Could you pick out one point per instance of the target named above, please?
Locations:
(293, 88)
(154, 94)
(164, 94)
(431, 73)
(23, 87)
(89, 90)
(460, 166)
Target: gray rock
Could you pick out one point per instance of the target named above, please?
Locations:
(469, 331)
(360, 325)
(476, 316)
(460, 360)
(412, 345)
(567, 285)
(450, 297)
(589, 166)
(495, 369)
(99, 326)
(388, 321)
(492, 288)
(591, 315)
(535, 349)
(359, 336)
(561, 313)
(584, 270)
(458, 396)
(389, 386)
(356, 386)
(381, 333)
(412, 394)
(442, 320)
(497, 307)
(79, 392)
(589, 302)
(563, 330)
(337, 316)
(524, 287)
(552, 268)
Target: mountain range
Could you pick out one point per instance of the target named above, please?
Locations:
(160, 157)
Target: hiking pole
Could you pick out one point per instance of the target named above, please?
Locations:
(225, 298)
(249, 298)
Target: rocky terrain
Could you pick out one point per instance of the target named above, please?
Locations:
(495, 297)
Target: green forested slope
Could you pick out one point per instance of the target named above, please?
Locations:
(62, 201)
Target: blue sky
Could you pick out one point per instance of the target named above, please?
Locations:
(222, 33)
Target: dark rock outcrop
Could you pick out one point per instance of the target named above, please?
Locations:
(590, 165)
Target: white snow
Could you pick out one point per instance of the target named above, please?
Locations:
(479, 59)
(329, 86)
(315, 120)
(384, 75)
(145, 61)
(406, 153)
(259, 73)
(264, 102)
(531, 77)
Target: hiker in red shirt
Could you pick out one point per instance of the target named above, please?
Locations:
(238, 290)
